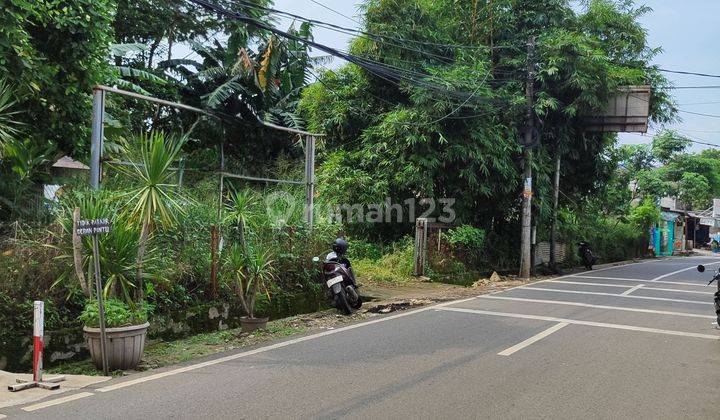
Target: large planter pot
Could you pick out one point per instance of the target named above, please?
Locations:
(252, 324)
(125, 346)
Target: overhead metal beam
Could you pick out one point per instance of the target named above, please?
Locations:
(155, 100)
(198, 110)
(289, 130)
(254, 178)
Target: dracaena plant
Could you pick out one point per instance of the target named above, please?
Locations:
(240, 211)
(154, 198)
(117, 249)
(9, 125)
(250, 270)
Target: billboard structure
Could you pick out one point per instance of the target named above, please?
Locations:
(626, 112)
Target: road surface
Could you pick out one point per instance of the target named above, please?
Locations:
(635, 341)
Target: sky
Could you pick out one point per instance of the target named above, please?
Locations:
(687, 30)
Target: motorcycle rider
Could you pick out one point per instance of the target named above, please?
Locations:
(586, 255)
(340, 247)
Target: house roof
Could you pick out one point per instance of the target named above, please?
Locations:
(69, 163)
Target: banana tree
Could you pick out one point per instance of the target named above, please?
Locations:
(254, 75)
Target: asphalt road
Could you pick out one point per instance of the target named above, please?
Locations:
(635, 341)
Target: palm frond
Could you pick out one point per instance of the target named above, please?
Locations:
(121, 50)
(127, 85)
(223, 92)
(142, 75)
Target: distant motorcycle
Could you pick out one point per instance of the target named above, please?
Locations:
(716, 278)
(339, 278)
(586, 255)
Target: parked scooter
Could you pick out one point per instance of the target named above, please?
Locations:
(339, 278)
(716, 278)
(586, 255)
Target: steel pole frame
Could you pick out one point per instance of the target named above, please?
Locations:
(309, 180)
(96, 138)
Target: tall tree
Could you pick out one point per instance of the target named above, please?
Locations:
(441, 112)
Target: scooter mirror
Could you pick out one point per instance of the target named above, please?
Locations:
(701, 268)
(316, 259)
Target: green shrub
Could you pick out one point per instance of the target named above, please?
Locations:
(394, 267)
(611, 239)
(645, 215)
(360, 249)
(117, 314)
(467, 236)
(468, 243)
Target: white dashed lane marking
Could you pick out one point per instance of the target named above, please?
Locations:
(533, 339)
(590, 305)
(581, 322)
(578, 292)
(57, 401)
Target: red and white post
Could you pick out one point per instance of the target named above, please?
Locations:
(38, 339)
(38, 347)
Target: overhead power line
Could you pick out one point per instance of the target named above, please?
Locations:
(335, 11)
(699, 113)
(691, 87)
(381, 70)
(700, 103)
(690, 73)
(689, 139)
(377, 37)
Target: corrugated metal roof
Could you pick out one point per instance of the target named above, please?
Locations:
(69, 163)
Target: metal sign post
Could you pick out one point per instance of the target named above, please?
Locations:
(38, 347)
(93, 228)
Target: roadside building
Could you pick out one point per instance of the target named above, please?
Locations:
(681, 230)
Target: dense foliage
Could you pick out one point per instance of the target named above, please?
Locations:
(403, 139)
(53, 53)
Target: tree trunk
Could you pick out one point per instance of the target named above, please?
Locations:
(77, 255)
(241, 236)
(151, 53)
(240, 290)
(253, 295)
(142, 247)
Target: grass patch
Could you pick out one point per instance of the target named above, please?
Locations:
(395, 267)
(82, 367)
(164, 353)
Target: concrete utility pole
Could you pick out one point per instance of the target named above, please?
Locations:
(525, 238)
(556, 198)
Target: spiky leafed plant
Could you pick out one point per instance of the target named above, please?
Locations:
(117, 249)
(252, 269)
(154, 196)
(9, 126)
(241, 210)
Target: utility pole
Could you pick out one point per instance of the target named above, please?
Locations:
(526, 236)
(556, 198)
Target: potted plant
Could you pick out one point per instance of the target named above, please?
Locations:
(126, 328)
(251, 270)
